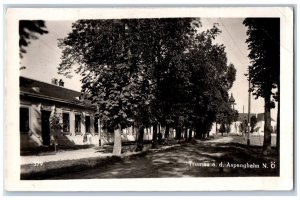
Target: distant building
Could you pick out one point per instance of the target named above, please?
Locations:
(242, 117)
(242, 121)
(259, 128)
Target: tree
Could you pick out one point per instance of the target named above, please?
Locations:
(28, 30)
(55, 126)
(150, 71)
(164, 42)
(264, 44)
(222, 129)
(112, 76)
(210, 79)
(122, 62)
(241, 127)
(253, 121)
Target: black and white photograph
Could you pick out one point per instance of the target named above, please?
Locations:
(185, 95)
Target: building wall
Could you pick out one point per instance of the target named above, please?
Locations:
(33, 138)
(259, 128)
(234, 128)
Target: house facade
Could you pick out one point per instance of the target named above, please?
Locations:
(259, 127)
(40, 101)
(238, 126)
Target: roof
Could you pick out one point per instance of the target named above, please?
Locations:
(42, 90)
(261, 117)
(231, 99)
(244, 116)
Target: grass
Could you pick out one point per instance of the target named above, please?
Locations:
(30, 172)
(47, 150)
(255, 140)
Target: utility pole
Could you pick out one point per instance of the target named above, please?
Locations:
(249, 105)
(243, 122)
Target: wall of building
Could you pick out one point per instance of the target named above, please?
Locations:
(33, 138)
(234, 128)
(259, 128)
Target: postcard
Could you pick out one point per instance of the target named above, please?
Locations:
(149, 99)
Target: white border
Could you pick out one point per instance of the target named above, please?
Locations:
(12, 161)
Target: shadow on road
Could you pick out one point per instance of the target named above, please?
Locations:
(205, 159)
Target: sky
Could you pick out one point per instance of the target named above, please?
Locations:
(43, 58)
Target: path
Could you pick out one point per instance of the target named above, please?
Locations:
(188, 160)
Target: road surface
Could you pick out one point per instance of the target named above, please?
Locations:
(211, 158)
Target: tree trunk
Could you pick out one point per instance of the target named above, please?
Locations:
(186, 134)
(178, 133)
(55, 140)
(135, 130)
(154, 138)
(167, 132)
(267, 126)
(103, 135)
(216, 128)
(228, 129)
(159, 128)
(190, 134)
(140, 141)
(197, 134)
(117, 141)
(278, 127)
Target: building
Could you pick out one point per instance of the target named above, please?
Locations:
(40, 101)
(259, 127)
(242, 121)
(243, 117)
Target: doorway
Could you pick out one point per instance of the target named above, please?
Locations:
(46, 127)
(87, 124)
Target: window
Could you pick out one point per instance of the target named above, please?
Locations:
(66, 122)
(24, 119)
(96, 124)
(77, 123)
(87, 124)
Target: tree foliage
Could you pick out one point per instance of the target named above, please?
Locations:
(56, 126)
(28, 30)
(211, 79)
(150, 71)
(264, 44)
